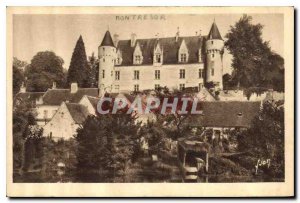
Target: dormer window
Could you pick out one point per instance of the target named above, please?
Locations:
(183, 53)
(158, 55)
(118, 60)
(137, 55)
(158, 58)
(137, 59)
(183, 58)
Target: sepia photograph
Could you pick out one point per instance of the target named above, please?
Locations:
(107, 96)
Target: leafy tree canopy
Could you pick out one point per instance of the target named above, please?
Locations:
(265, 137)
(18, 74)
(45, 68)
(254, 63)
(105, 143)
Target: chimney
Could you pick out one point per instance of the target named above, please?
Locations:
(133, 39)
(74, 87)
(23, 88)
(177, 35)
(157, 36)
(116, 39)
(54, 85)
(200, 33)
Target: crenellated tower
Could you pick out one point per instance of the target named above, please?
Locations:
(214, 57)
(107, 56)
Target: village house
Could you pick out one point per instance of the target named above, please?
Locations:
(65, 121)
(219, 116)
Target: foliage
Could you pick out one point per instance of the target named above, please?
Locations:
(254, 64)
(23, 117)
(105, 143)
(228, 82)
(79, 70)
(265, 138)
(93, 63)
(18, 74)
(154, 134)
(33, 150)
(45, 68)
(176, 124)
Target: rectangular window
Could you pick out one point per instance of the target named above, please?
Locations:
(158, 58)
(181, 87)
(181, 73)
(136, 75)
(45, 114)
(117, 75)
(136, 88)
(212, 72)
(183, 57)
(103, 73)
(156, 86)
(117, 88)
(200, 86)
(137, 59)
(201, 73)
(157, 74)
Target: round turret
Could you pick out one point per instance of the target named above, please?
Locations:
(214, 52)
(107, 55)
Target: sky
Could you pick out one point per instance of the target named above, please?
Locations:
(59, 33)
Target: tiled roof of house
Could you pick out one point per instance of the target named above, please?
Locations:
(107, 40)
(93, 101)
(29, 97)
(78, 112)
(57, 96)
(170, 49)
(226, 114)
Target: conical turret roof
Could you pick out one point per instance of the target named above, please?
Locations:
(107, 40)
(214, 32)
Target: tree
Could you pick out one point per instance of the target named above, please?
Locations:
(265, 138)
(105, 145)
(18, 74)
(254, 64)
(79, 70)
(228, 82)
(94, 70)
(23, 117)
(177, 124)
(45, 68)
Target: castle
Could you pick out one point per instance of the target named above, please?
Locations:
(175, 62)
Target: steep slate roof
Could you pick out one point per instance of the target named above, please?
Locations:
(57, 96)
(226, 114)
(107, 40)
(214, 32)
(78, 112)
(170, 49)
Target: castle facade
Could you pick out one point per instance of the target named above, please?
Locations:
(145, 64)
